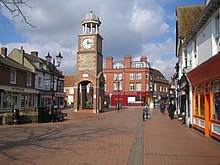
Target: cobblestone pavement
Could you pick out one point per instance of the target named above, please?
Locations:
(109, 138)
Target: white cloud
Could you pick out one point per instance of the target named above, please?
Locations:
(161, 56)
(148, 22)
(126, 28)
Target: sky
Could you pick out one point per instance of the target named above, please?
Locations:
(128, 27)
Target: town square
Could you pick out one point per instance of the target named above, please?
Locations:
(110, 82)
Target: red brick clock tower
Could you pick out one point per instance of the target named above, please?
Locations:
(89, 81)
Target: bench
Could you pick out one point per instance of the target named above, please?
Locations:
(58, 115)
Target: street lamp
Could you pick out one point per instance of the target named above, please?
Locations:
(118, 81)
(58, 59)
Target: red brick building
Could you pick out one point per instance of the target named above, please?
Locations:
(133, 82)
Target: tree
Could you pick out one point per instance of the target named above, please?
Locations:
(15, 7)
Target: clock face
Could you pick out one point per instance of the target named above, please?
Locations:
(87, 43)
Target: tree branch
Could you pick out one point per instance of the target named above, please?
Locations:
(14, 6)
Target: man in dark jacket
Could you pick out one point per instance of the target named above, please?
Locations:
(162, 107)
(171, 109)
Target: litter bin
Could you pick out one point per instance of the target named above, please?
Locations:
(15, 116)
(43, 115)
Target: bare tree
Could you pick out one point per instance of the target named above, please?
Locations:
(15, 7)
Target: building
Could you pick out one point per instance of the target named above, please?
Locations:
(44, 78)
(89, 67)
(198, 68)
(16, 85)
(133, 82)
(69, 89)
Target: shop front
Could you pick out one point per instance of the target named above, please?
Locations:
(205, 88)
(127, 98)
(17, 98)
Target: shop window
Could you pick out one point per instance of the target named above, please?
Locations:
(24, 100)
(207, 87)
(30, 100)
(216, 99)
(196, 100)
(202, 100)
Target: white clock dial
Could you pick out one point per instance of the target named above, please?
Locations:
(87, 43)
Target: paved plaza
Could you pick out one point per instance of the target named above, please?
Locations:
(108, 138)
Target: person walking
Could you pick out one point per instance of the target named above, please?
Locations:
(171, 109)
(162, 107)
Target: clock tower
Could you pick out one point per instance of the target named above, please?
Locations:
(89, 81)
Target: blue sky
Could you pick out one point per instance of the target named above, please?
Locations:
(134, 27)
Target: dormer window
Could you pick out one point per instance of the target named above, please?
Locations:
(118, 65)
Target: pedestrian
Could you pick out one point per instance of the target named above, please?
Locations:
(171, 109)
(162, 107)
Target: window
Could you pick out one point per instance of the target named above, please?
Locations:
(217, 27)
(202, 100)
(138, 76)
(147, 87)
(118, 65)
(216, 99)
(155, 87)
(13, 76)
(138, 87)
(115, 76)
(139, 65)
(131, 87)
(39, 80)
(120, 77)
(115, 86)
(147, 76)
(29, 79)
(71, 91)
(196, 100)
(131, 76)
(105, 87)
(160, 88)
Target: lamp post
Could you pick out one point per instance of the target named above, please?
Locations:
(118, 81)
(58, 60)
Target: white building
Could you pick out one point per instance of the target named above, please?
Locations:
(198, 68)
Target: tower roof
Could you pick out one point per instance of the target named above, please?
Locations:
(91, 17)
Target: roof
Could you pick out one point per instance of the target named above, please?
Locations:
(68, 81)
(186, 17)
(91, 17)
(13, 64)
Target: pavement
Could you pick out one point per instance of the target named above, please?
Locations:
(109, 138)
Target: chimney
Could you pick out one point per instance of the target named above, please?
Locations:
(109, 60)
(34, 53)
(127, 61)
(143, 59)
(22, 53)
(4, 51)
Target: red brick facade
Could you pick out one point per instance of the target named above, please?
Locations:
(130, 82)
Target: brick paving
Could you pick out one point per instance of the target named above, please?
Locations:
(109, 138)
